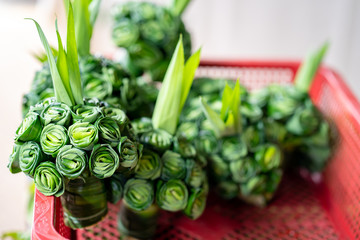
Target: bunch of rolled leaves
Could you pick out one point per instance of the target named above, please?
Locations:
(169, 175)
(102, 78)
(278, 125)
(75, 148)
(149, 34)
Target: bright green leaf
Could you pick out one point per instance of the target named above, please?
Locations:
(72, 60)
(308, 68)
(166, 112)
(62, 64)
(188, 77)
(213, 117)
(60, 90)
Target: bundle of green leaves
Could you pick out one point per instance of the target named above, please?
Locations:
(102, 78)
(247, 136)
(169, 176)
(74, 148)
(149, 34)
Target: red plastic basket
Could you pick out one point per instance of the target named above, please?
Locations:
(325, 206)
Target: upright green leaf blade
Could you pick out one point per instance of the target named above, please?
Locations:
(234, 107)
(83, 26)
(94, 8)
(213, 117)
(61, 64)
(72, 60)
(226, 101)
(178, 6)
(60, 90)
(308, 68)
(166, 112)
(188, 77)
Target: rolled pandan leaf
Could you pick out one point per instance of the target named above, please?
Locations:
(244, 169)
(259, 97)
(29, 129)
(125, 33)
(316, 149)
(304, 121)
(152, 31)
(196, 203)
(149, 166)
(84, 202)
(129, 153)
(192, 113)
(95, 85)
(173, 166)
(86, 113)
(144, 55)
(172, 195)
(47, 93)
(83, 135)
(48, 180)
(30, 156)
(252, 112)
(219, 168)
(233, 148)
(227, 189)
(207, 143)
(206, 86)
(195, 175)
(115, 187)
(188, 131)
(281, 107)
(116, 114)
(268, 157)
(92, 102)
(103, 161)
(53, 137)
(254, 136)
(57, 113)
(275, 131)
(157, 139)
(138, 194)
(184, 147)
(143, 11)
(109, 131)
(142, 125)
(261, 188)
(14, 164)
(71, 162)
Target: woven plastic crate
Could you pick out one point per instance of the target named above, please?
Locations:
(323, 206)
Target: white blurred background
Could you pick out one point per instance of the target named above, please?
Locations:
(226, 29)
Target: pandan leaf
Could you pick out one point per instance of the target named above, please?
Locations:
(234, 108)
(225, 101)
(214, 118)
(62, 65)
(178, 6)
(308, 68)
(175, 89)
(60, 91)
(85, 12)
(94, 8)
(72, 60)
(228, 122)
(166, 112)
(189, 72)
